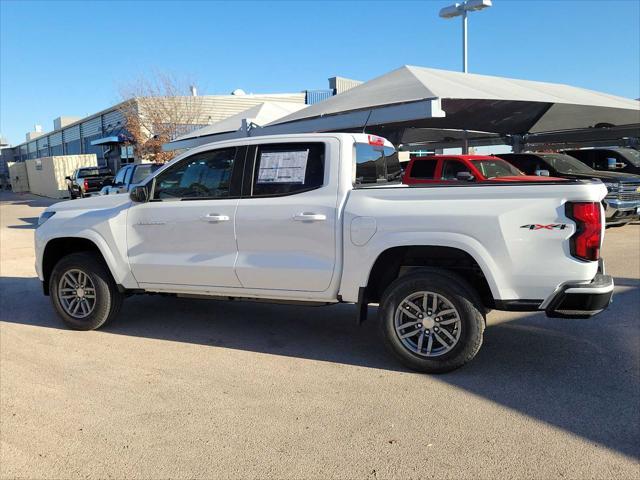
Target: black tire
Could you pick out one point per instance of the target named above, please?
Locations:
(459, 294)
(108, 299)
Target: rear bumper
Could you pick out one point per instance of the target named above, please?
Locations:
(580, 300)
(620, 211)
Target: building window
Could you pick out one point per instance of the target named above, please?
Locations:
(126, 154)
(56, 150)
(72, 147)
(88, 148)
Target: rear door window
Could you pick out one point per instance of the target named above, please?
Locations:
(424, 169)
(287, 168)
(525, 164)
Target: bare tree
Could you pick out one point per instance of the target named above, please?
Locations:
(158, 110)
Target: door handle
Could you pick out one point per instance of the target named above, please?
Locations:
(214, 217)
(309, 217)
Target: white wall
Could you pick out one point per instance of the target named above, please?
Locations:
(18, 177)
(47, 174)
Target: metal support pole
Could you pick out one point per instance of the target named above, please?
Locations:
(464, 41)
(465, 144)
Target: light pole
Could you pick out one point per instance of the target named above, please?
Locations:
(461, 9)
(457, 10)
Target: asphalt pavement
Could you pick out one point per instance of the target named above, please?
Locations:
(180, 388)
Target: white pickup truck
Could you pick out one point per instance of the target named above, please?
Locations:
(321, 219)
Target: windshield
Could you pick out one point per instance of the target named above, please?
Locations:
(376, 164)
(496, 168)
(565, 163)
(632, 155)
(93, 172)
(143, 171)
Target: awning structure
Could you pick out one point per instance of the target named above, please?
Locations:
(406, 102)
(235, 126)
(109, 139)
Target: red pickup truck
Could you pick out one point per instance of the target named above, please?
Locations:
(455, 168)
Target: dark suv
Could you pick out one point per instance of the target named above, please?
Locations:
(617, 159)
(622, 201)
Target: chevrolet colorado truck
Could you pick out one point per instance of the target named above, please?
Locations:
(320, 219)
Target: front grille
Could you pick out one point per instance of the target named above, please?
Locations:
(629, 191)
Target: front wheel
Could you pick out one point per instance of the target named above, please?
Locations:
(83, 291)
(431, 321)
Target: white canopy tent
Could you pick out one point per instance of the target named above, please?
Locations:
(416, 106)
(400, 103)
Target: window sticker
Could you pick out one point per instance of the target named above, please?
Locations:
(283, 167)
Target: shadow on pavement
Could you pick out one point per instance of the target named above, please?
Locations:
(27, 199)
(30, 223)
(581, 376)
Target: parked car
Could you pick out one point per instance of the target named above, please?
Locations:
(623, 197)
(320, 219)
(87, 180)
(454, 168)
(619, 159)
(129, 175)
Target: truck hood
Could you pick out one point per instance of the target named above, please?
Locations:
(91, 203)
(606, 176)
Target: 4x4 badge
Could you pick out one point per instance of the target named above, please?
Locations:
(550, 226)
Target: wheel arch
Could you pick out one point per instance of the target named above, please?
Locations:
(401, 260)
(57, 248)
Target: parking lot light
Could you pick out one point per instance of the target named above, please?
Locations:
(461, 9)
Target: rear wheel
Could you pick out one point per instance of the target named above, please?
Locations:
(83, 291)
(432, 321)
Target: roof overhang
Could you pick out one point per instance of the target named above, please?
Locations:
(197, 141)
(357, 119)
(106, 140)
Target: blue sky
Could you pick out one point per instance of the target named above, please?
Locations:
(69, 58)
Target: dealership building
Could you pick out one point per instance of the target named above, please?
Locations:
(104, 133)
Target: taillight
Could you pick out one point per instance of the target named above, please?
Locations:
(585, 243)
(86, 184)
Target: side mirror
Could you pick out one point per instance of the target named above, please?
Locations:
(542, 173)
(139, 194)
(465, 177)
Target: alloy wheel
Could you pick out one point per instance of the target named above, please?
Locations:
(427, 324)
(77, 293)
